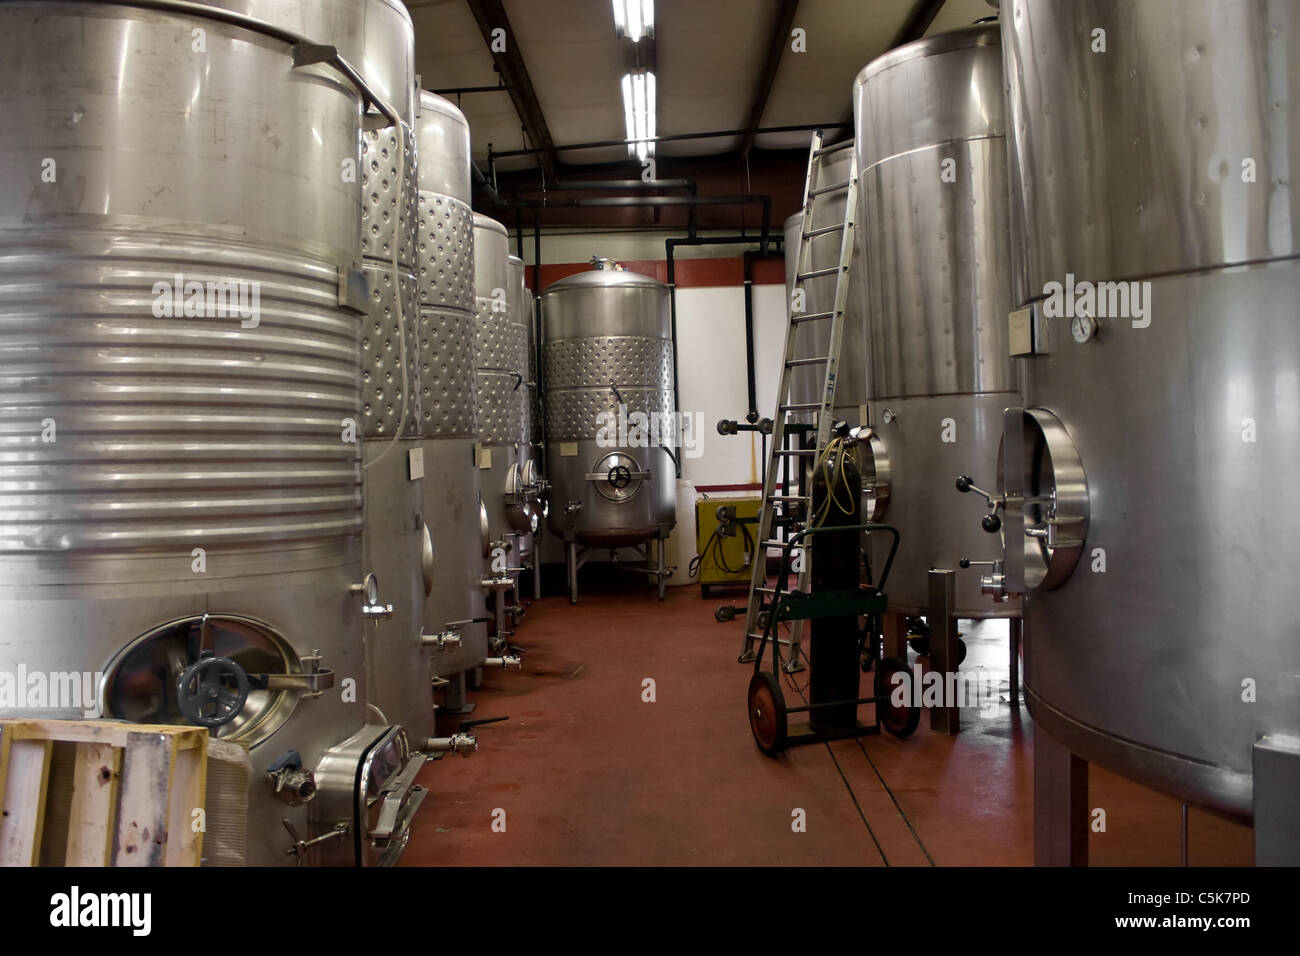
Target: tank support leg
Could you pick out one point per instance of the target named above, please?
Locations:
(1015, 635)
(1277, 812)
(572, 549)
(946, 718)
(537, 570)
(895, 627)
(1060, 804)
(661, 547)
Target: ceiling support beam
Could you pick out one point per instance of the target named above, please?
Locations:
(775, 48)
(491, 16)
(918, 21)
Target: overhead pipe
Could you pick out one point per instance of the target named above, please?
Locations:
(674, 138)
(670, 246)
(482, 182)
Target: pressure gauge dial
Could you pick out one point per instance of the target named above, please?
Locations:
(1082, 328)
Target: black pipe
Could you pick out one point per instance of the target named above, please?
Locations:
(636, 201)
(481, 182)
(670, 246)
(628, 184)
(457, 90)
(752, 415)
(677, 137)
(537, 330)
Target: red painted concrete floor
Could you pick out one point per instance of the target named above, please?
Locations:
(585, 772)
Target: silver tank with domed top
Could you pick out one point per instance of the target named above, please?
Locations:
(933, 227)
(180, 405)
(500, 344)
(608, 375)
(455, 624)
(1153, 147)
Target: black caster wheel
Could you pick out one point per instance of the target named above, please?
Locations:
(899, 720)
(920, 644)
(704, 590)
(767, 717)
(212, 691)
(961, 651)
(725, 612)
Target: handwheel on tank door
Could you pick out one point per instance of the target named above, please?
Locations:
(767, 716)
(899, 721)
(204, 694)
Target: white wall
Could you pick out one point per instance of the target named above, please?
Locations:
(711, 375)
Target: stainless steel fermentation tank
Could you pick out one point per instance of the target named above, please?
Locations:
(1159, 552)
(501, 343)
(934, 231)
(608, 365)
(396, 538)
(455, 618)
(524, 490)
(180, 465)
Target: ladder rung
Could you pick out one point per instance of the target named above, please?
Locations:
(811, 317)
(776, 544)
(816, 273)
(827, 150)
(758, 636)
(787, 498)
(822, 190)
(795, 451)
(801, 407)
(824, 230)
(815, 360)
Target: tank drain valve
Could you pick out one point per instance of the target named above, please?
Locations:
(463, 744)
(993, 584)
(502, 582)
(505, 662)
(442, 640)
(990, 522)
(293, 784)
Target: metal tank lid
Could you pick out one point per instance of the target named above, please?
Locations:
(979, 34)
(433, 103)
(604, 274)
(489, 224)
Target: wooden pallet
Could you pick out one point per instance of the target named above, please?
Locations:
(123, 794)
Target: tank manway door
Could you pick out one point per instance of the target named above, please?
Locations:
(618, 476)
(1043, 503)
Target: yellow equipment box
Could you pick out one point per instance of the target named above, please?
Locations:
(725, 549)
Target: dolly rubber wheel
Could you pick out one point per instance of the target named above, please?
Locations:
(767, 717)
(725, 612)
(899, 720)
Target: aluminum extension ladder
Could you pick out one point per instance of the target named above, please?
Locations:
(760, 593)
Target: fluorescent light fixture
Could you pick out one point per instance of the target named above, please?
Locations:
(634, 19)
(639, 113)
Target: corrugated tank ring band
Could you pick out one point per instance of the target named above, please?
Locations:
(172, 391)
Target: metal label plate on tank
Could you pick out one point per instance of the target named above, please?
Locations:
(568, 449)
(485, 458)
(415, 463)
